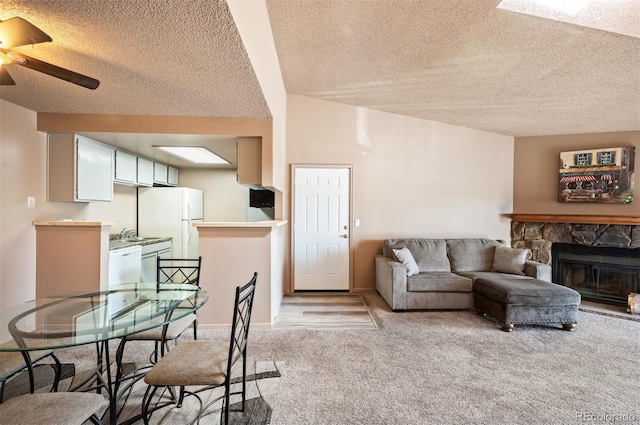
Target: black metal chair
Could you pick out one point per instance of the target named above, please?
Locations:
(172, 270)
(206, 364)
(12, 363)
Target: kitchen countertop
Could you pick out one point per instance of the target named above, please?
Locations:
(241, 224)
(73, 223)
(120, 244)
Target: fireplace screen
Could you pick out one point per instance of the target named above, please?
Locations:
(600, 274)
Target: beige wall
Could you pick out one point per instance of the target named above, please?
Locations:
(411, 177)
(23, 174)
(535, 177)
(224, 198)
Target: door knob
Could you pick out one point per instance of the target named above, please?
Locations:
(344, 236)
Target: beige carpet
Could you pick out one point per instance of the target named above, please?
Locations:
(448, 367)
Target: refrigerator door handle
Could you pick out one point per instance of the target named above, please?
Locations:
(189, 222)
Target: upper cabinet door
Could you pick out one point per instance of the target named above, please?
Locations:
(145, 172)
(126, 168)
(172, 176)
(159, 173)
(94, 171)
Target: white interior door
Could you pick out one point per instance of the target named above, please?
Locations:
(321, 228)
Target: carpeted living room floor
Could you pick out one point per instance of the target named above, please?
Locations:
(445, 367)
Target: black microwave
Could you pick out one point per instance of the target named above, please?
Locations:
(261, 198)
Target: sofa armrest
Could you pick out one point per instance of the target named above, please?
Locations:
(538, 270)
(391, 282)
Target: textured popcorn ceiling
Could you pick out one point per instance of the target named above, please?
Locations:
(155, 57)
(462, 62)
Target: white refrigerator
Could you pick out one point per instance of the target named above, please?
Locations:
(171, 212)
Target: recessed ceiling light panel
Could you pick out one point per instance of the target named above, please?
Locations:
(195, 154)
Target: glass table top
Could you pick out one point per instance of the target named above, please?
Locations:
(89, 317)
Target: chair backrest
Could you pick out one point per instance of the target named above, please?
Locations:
(179, 270)
(241, 320)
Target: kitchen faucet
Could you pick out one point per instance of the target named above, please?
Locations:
(123, 234)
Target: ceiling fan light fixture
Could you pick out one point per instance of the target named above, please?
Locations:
(17, 58)
(195, 154)
(4, 59)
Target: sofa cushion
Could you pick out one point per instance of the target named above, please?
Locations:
(404, 256)
(491, 275)
(510, 260)
(471, 254)
(534, 292)
(439, 282)
(430, 254)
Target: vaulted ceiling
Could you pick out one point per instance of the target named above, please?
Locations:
(462, 62)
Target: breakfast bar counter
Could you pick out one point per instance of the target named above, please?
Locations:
(231, 252)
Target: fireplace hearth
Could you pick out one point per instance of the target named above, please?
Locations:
(601, 274)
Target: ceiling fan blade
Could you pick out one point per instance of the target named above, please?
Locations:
(18, 32)
(54, 71)
(5, 78)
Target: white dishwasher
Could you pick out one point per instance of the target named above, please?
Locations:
(125, 265)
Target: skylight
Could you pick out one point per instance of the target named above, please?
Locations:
(618, 16)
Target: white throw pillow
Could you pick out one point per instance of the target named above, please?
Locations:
(404, 256)
(510, 260)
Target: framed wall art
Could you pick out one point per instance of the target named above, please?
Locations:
(602, 175)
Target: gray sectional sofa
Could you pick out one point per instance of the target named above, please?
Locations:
(447, 269)
(424, 274)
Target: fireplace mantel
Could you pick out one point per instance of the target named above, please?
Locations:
(577, 219)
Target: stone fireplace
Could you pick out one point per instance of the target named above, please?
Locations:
(599, 260)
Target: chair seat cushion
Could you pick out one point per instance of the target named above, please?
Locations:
(51, 408)
(439, 282)
(529, 292)
(174, 330)
(13, 361)
(191, 363)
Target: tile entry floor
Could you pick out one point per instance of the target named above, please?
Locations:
(323, 310)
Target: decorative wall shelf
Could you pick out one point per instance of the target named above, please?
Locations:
(578, 219)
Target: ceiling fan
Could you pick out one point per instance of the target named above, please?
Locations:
(16, 32)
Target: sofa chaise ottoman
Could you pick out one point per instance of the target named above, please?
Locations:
(534, 301)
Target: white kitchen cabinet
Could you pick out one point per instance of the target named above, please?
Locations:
(145, 172)
(126, 168)
(159, 173)
(150, 255)
(172, 176)
(79, 169)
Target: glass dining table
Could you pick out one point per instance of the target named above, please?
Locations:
(111, 313)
